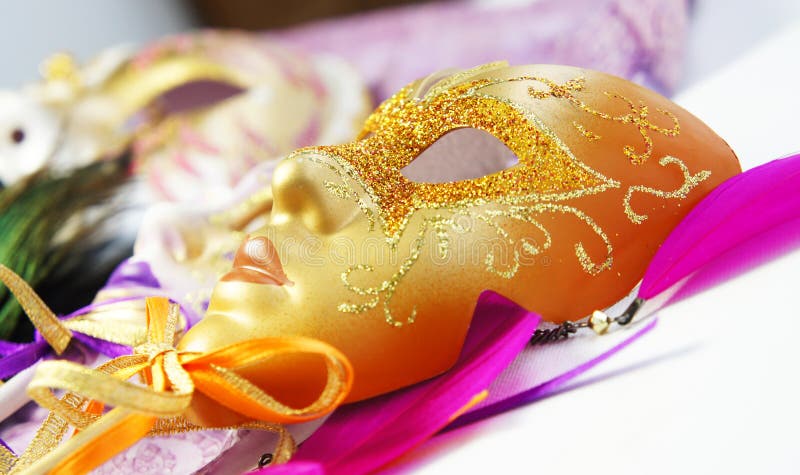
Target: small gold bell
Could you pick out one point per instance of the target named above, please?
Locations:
(599, 322)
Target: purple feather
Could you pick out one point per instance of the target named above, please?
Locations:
(744, 208)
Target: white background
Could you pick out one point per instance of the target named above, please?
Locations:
(32, 30)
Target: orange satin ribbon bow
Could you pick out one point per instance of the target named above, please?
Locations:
(172, 377)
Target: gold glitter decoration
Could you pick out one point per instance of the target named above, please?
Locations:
(525, 214)
(344, 190)
(547, 172)
(402, 127)
(454, 79)
(388, 287)
(638, 116)
(591, 136)
(689, 182)
(440, 227)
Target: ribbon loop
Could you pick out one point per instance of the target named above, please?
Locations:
(225, 386)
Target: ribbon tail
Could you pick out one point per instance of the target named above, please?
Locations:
(114, 432)
(65, 411)
(39, 313)
(101, 386)
(283, 451)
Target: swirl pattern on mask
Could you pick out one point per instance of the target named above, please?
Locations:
(548, 173)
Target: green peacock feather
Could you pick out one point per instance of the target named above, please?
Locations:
(48, 221)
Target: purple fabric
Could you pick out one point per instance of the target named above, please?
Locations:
(362, 437)
(112, 350)
(23, 357)
(2, 442)
(137, 277)
(545, 389)
(19, 356)
(133, 273)
(742, 208)
(8, 347)
(642, 40)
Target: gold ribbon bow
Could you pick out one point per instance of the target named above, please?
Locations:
(172, 377)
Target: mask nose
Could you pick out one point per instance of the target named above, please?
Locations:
(311, 192)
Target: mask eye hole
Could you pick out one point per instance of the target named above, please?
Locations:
(462, 154)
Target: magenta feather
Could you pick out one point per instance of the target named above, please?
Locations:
(363, 437)
(740, 210)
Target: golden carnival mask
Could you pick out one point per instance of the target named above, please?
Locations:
(380, 247)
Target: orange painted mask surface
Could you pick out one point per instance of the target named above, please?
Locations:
(387, 265)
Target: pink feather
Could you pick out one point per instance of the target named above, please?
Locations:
(744, 208)
(363, 437)
(366, 436)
